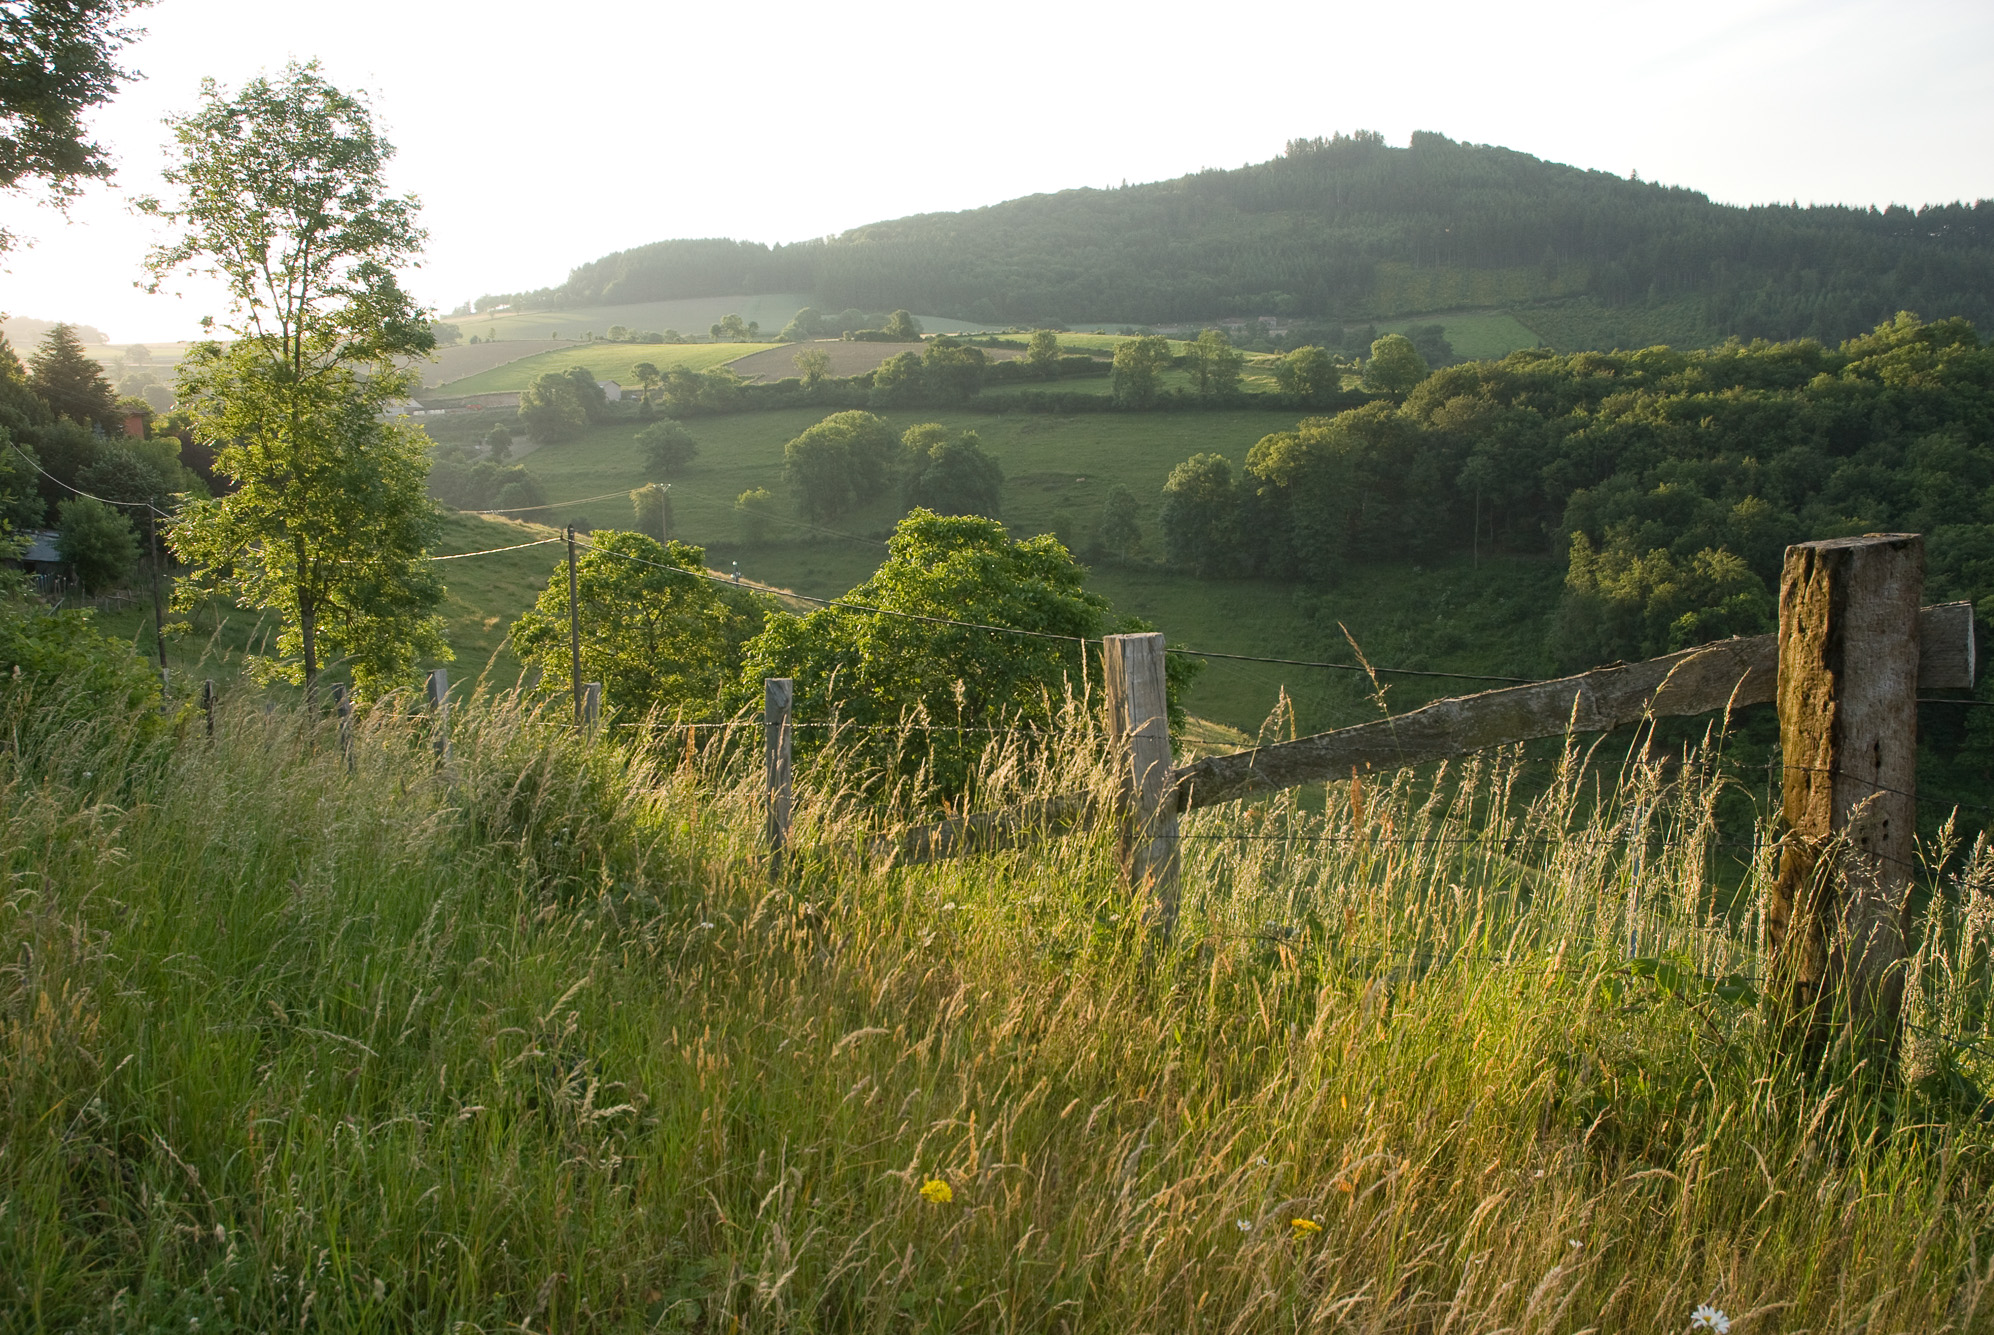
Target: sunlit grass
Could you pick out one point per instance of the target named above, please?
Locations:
(527, 1039)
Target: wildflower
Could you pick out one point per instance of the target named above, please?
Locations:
(1304, 1227)
(1575, 1243)
(1244, 1225)
(1706, 1317)
(937, 1191)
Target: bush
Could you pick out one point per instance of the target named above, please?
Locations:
(666, 448)
(96, 541)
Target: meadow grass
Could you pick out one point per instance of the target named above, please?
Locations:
(606, 361)
(529, 1040)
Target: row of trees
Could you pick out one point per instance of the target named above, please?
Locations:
(1671, 481)
(850, 458)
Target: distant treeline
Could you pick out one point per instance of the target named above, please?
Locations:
(1348, 228)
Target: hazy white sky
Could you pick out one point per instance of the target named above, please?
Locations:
(539, 136)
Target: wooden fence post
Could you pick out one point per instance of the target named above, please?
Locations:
(1848, 731)
(591, 702)
(439, 700)
(1139, 729)
(208, 703)
(342, 707)
(777, 693)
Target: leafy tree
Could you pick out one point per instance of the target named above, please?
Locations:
(756, 509)
(1430, 342)
(664, 639)
(1200, 513)
(551, 409)
(70, 383)
(120, 472)
(96, 541)
(446, 335)
(1139, 362)
(647, 377)
(1395, 366)
(652, 503)
(589, 393)
(1120, 532)
(283, 192)
(951, 474)
(1215, 365)
(951, 371)
(666, 448)
(898, 380)
(1042, 354)
(903, 327)
(58, 60)
(805, 324)
(730, 330)
(1309, 373)
(1624, 604)
(840, 463)
(813, 364)
(874, 670)
(498, 443)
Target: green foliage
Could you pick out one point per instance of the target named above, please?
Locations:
(1430, 342)
(498, 441)
(1042, 353)
(1200, 514)
(652, 505)
(1120, 530)
(950, 473)
(465, 482)
(649, 378)
(590, 394)
(897, 381)
(445, 335)
(1309, 373)
(60, 63)
(952, 372)
(1215, 365)
(755, 508)
(282, 189)
(1139, 362)
(872, 670)
(666, 448)
(95, 541)
(70, 383)
(657, 638)
(902, 327)
(1395, 365)
(840, 462)
(57, 666)
(551, 409)
(812, 365)
(1623, 605)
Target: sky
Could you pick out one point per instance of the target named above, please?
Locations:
(538, 137)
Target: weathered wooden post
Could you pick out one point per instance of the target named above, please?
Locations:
(208, 703)
(439, 701)
(342, 708)
(777, 693)
(591, 703)
(1848, 731)
(1139, 729)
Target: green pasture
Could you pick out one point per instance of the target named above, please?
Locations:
(688, 315)
(608, 361)
(1475, 335)
(1058, 471)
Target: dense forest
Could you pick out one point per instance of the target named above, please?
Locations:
(1671, 481)
(1349, 228)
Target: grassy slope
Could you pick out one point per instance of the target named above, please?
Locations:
(692, 315)
(529, 1042)
(608, 361)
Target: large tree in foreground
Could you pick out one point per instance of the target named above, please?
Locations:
(282, 195)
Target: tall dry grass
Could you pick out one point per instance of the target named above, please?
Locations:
(527, 1040)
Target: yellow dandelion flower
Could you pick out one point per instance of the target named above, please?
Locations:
(1304, 1227)
(937, 1191)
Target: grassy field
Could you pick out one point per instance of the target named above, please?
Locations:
(528, 1040)
(608, 361)
(1454, 617)
(1474, 335)
(691, 315)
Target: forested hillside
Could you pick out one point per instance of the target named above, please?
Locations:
(1348, 228)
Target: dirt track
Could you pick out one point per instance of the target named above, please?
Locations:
(847, 359)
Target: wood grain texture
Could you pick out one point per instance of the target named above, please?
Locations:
(1139, 728)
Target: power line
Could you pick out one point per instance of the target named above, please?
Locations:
(554, 505)
(104, 500)
(492, 551)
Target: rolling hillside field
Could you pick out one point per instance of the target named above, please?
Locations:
(608, 361)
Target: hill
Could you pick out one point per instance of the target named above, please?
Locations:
(1348, 229)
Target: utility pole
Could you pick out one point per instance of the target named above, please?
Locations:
(574, 630)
